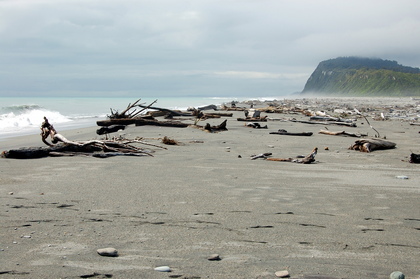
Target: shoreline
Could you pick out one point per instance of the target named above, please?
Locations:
(348, 215)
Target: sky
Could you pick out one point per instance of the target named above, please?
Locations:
(170, 48)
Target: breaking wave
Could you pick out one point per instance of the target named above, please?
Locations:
(21, 117)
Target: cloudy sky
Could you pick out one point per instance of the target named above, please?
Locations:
(159, 48)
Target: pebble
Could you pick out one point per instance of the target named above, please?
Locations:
(11, 193)
(397, 275)
(282, 273)
(214, 257)
(108, 252)
(163, 268)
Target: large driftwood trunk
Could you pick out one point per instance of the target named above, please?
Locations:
(143, 122)
(369, 145)
(284, 132)
(325, 123)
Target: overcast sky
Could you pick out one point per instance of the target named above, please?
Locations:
(161, 48)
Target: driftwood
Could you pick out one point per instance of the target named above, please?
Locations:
(218, 114)
(284, 132)
(95, 148)
(415, 158)
(262, 155)
(201, 115)
(305, 160)
(169, 141)
(60, 146)
(167, 111)
(250, 119)
(212, 129)
(209, 107)
(233, 109)
(359, 113)
(110, 129)
(369, 145)
(330, 118)
(126, 113)
(256, 125)
(325, 122)
(341, 133)
(122, 121)
(175, 124)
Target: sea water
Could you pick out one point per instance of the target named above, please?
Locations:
(23, 116)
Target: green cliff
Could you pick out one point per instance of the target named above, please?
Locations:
(354, 76)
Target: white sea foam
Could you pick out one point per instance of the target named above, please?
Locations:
(26, 119)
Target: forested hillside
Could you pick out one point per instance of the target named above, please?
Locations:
(357, 76)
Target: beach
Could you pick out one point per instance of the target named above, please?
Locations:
(349, 214)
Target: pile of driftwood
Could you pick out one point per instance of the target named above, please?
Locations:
(147, 113)
(60, 146)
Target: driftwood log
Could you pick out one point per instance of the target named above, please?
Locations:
(369, 145)
(94, 148)
(256, 125)
(250, 119)
(286, 133)
(165, 111)
(212, 129)
(122, 121)
(341, 133)
(325, 122)
(330, 118)
(262, 155)
(60, 146)
(110, 129)
(415, 158)
(175, 124)
(305, 160)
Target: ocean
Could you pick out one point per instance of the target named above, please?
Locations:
(23, 116)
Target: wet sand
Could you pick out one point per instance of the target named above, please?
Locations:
(345, 216)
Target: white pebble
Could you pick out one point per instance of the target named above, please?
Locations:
(163, 268)
(282, 273)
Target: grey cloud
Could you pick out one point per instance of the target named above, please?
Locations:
(193, 47)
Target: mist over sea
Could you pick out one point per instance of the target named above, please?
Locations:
(23, 116)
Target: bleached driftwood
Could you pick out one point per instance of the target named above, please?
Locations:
(369, 145)
(341, 133)
(61, 146)
(325, 123)
(306, 160)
